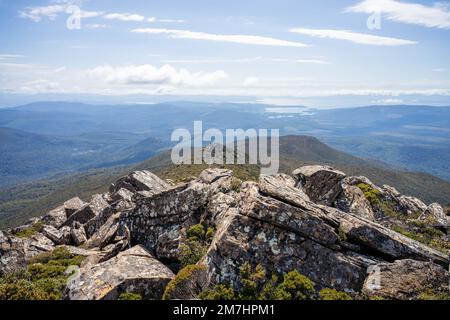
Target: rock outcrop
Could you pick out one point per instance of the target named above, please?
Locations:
(330, 227)
(134, 270)
(406, 279)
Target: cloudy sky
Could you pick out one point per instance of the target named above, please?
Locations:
(318, 53)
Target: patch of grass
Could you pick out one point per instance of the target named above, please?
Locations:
(29, 232)
(429, 236)
(371, 194)
(333, 294)
(129, 296)
(431, 295)
(44, 279)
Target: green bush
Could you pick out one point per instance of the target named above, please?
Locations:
(219, 292)
(130, 296)
(295, 286)
(371, 194)
(333, 294)
(196, 232)
(29, 232)
(254, 285)
(210, 233)
(252, 281)
(44, 279)
(431, 294)
(191, 252)
(428, 236)
(182, 277)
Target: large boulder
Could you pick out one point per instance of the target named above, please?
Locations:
(139, 181)
(57, 217)
(435, 215)
(352, 199)
(97, 204)
(78, 235)
(406, 279)
(93, 225)
(278, 229)
(320, 183)
(15, 252)
(58, 236)
(134, 270)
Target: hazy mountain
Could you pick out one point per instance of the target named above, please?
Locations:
(414, 138)
(32, 199)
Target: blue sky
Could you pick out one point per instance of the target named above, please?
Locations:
(315, 53)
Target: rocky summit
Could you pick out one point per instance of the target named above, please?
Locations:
(151, 239)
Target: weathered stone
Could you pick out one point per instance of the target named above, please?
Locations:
(122, 194)
(282, 186)
(244, 239)
(105, 234)
(386, 242)
(406, 279)
(289, 217)
(320, 183)
(404, 204)
(89, 211)
(59, 237)
(435, 215)
(352, 199)
(78, 235)
(58, 216)
(93, 225)
(140, 181)
(12, 255)
(134, 270)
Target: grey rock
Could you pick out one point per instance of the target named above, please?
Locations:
(58, 236)
(105, 234)
(320, 183)
(93, 225)
(352, 199)
(58, 216)
(89, 211)
(134, 270)
(436, 215)
(140, 181)
(406, 279)
(78, 235)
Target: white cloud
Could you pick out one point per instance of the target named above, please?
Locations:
(242, 39)
(243, 60)
(97, 26)
(124, 17)
(148, 74)
(51, 12)
(39, 86)
(435, 16)
(251, 81)
(360, 38)
(153, 19)
(37, 13)
(10, 56)
(312, 61)
(389, 101)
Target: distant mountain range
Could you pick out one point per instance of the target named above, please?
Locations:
(42, 139)
(21, 202)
